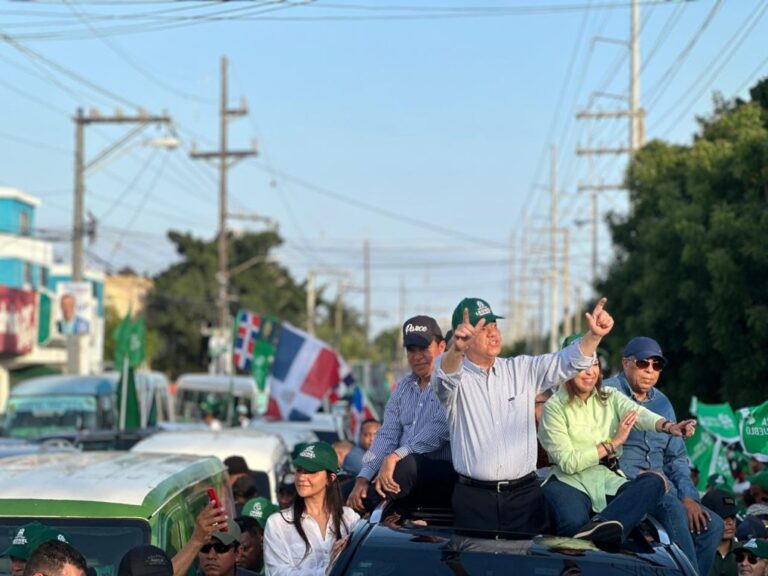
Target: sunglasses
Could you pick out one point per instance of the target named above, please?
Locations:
(740, 555)
(218, 547)
(658, 365)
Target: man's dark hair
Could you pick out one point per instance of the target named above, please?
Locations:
(369, 421)
(250, 525)
(50, 558)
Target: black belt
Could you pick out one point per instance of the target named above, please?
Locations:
(500, 486)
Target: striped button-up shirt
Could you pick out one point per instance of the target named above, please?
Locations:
(414, 423)
(491, 414)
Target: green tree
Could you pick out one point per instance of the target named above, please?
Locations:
(691, 262)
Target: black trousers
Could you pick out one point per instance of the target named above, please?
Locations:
(520, 510)
(422, 480)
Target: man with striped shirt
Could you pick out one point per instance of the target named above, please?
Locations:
(411, 448)
(490, 404)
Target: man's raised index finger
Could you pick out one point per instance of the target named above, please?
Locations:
(466, 316)
(599, 306)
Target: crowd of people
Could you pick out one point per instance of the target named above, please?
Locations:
(517, 446)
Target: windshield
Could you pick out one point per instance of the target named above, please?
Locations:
(31, 416)
(103, 542)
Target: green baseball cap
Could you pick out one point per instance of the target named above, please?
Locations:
(317, 456)
(259, 508)
(29, 537)
(478, 308)
(757, 546)
(571, 339)
(760, 479)
(229, 536)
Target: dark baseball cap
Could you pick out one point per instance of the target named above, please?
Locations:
(751, 527)
(721, 503)
(643, 348)
(421, 331)
(478, 308)
(145, 560)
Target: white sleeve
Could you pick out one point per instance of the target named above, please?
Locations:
(278, 561)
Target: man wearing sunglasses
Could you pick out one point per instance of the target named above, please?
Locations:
(752, 558)
(692, 526)
(218, 556)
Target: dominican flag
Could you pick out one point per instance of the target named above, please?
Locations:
(360, 411)
(304, 372)
(247, 328)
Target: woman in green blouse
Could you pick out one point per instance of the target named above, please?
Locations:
(583, 427)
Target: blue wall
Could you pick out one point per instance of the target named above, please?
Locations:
(10, 216)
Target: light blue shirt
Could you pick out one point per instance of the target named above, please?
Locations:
(414, 423)
(491, 414)
(655, 450)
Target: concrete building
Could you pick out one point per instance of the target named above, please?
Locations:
(124, 292)
(30, 288)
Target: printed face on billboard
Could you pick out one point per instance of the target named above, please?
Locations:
(74, 307)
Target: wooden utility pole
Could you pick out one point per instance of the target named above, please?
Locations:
(225, 159)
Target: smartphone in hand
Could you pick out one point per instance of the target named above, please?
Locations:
(214, 497)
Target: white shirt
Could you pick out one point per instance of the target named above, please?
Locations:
(284, 550)
(491, 415)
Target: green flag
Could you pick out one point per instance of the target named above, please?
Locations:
(707, 453)
(129, 340)
(754, 430)
(129, 415)
(261, 366)
(717, 419)
(129, 353)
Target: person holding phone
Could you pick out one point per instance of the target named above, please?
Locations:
(305, 538)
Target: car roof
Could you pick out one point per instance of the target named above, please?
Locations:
(377, 547)
(261, 450)
(242, 386)
(290, 434)
(70, 385)
(136, 483)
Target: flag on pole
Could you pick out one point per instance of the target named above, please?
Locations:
(247, 329)
(360, 411)
(717, 419)
(304, 371)
(129, 353)
(754, 429)
(263, 358)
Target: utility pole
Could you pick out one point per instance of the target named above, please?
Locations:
(636, 137)
(553, 288)
(141, 120)
(339, 312)
(567, 311)
(226, 159)
(367, 288)
(311, 302)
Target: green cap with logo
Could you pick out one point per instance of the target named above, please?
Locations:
(757, 546)
(760, 479)
(478, 308)
(260, 509)
(317, 456)
(29, 537)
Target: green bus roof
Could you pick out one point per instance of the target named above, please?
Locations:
(97, 484)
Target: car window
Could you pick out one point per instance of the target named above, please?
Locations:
(103, 542)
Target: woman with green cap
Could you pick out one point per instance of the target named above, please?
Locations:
(303, 539)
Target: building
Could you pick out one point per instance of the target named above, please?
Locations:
(31, 286)
(124, 292)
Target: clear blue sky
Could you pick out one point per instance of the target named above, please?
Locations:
(439, 111)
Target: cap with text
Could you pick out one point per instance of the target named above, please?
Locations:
(421, 331)
(260, 509)
(29, 537)
(317, 456)
(145, 560)
(477, 308)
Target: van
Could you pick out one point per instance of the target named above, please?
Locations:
(67, 406)
(264, 453)
(218, 390)
(109, 502)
